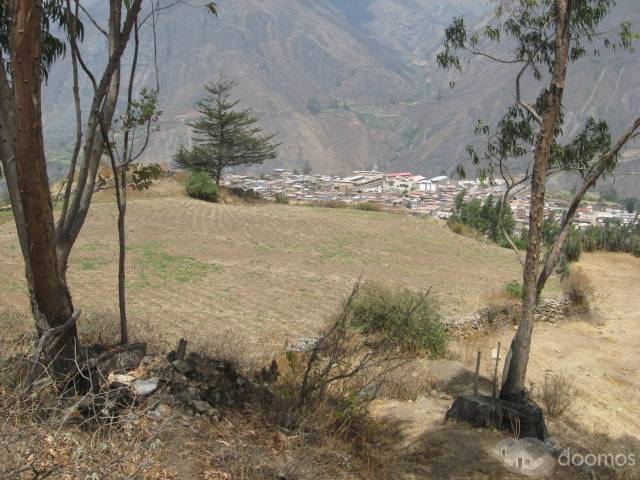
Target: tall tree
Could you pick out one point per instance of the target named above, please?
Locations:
(50, 297)
(224, 135)
(51, 301)
(545, 37)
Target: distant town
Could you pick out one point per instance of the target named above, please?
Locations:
(421, 195)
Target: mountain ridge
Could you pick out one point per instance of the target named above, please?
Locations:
(345, 85)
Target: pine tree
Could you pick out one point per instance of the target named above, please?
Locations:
(224, 136)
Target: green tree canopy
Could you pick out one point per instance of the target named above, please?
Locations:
(224, 135)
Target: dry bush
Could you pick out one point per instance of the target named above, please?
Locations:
(464, 230)
(325, 392)
(556, 394)
(408, 384)
(229, 346)
(45, 433)
(100, 328)
(578, 289)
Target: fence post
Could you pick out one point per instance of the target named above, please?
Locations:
(475, 383)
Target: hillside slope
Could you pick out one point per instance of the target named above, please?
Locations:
(346, 84)
(263, 271)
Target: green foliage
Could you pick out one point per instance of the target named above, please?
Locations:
(224, 135)
(527, 29)
(141, 111)
(281, 197)
(55, 19)
(368, 206)
(156, 267)
(631, 204)
(410, 318)
(200, 185)
(142, 176)
(572, 248)
(513, 289)
(611, 237)
(488, 218)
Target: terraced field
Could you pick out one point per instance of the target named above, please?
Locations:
(262, 273)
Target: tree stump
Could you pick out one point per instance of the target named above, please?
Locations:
(522, 419)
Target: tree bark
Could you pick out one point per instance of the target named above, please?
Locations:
(51, 299)
(514, 385)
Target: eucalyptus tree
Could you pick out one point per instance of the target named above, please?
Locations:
(541, 39)
(26, 37)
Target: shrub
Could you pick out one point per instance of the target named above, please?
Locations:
(464, 230)
(329, 204)
(457, 227)
(556, 394)
(281, 197)
(200, 185)
(572, 248)
(368, 206)
(578, 288)
(513, 289)
(411, 319)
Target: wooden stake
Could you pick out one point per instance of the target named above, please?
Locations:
(181, 350)
(495, 371)
(475, 384)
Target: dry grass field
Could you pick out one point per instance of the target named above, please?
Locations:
(249, 277)
(262, 272)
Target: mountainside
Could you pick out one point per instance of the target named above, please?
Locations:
(346, 84)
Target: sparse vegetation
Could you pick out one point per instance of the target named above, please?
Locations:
(578, 289)
(410, 318)
(513, 289)
(556, 394)
(281, 198)
(200, 185)
(484, 218)
(368, 206)
(611, 237)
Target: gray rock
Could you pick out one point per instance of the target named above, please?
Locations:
(163, 410)
(203, 408)
(181, 366)
(146, 386)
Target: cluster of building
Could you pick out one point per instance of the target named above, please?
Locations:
(431, 196)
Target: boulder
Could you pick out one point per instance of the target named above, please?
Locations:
(145, 386)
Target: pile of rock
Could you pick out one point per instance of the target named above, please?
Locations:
(549, 310)
(197, 384)
(203, 384)
(552, 310)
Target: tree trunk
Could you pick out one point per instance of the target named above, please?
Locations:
(121, 192)
(51, 299)
(103, 104)
(514, 385)
(8, 158)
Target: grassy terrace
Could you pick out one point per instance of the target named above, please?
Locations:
(263, 271)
